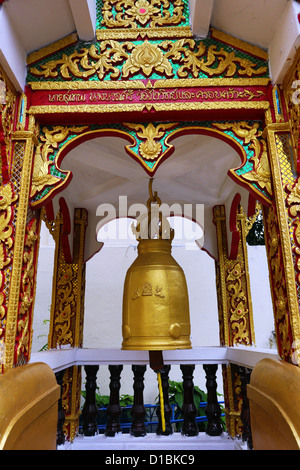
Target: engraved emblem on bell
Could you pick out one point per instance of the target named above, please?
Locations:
(155, 299)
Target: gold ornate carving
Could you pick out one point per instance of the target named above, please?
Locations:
(280, 296)
(68, 288)
(283, 264)
(7, 198)
(132, 13)
(89, 59)
(51, 138)
(151, 33)
(150, 150)
(261, 173)
(238, 44)
(26, 142)
(65, 307)
(40, 175)
(7, 112)
(234, 296)
(27, 289)
(139, 84)
(290, 88)
(51, 49)
(139, 107)
(148, 57)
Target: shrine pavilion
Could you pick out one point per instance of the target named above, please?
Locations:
(149, 109)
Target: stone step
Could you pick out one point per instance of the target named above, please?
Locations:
(175, 442)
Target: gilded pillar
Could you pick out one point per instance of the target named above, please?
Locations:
(19, 245)
(67, 310)
(282, 241)
(235, 311)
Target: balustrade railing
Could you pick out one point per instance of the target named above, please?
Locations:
(209, 358)
(138, 409)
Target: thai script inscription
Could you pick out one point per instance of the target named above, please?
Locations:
(152, 95)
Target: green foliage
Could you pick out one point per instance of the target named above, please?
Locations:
(256, 233)
(176, 398)
(102, 401)
(45, 346)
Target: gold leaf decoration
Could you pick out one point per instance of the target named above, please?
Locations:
(51, 140)
(250, 133)
(135, 13)
(7, 198)
(121, 59)
(150, 150)
(147, 57)
(40, 175)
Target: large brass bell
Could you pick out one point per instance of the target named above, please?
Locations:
(155, 300)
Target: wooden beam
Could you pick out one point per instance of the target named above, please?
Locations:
(12, 53)
(84, 14)
(200, 14)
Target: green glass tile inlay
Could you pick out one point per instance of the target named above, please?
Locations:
(99, 61)
(248, 166)
(170, 4)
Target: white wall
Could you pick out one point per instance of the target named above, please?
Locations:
(103, 303)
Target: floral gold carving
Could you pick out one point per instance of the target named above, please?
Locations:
(234, 296)
(146, 57)
(50, 141)
(150, 150)
(238, 303)
(293, 198)
(135, 13)
(27, 289)
(40, 175)
(278, 283)
(121, 59)
(7, 198)
(250, 133)
(65, 306)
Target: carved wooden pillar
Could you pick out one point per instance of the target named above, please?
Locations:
(138, 411)
(189, 410)
(10, 174)
(167, 407)
(90, 409)
(19, 248)
(283, 241)
(235, 308)
(233, 286)
(212, 409)
(67, 310)
(114, 408)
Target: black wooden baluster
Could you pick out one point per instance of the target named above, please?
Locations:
(245, 374)
(114, 409)
(167, 407)
(138, 411)
(189, 410)
(212, 409)
(90, 410)
(60, 437)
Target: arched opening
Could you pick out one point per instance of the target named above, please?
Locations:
(196, 173)
(105, 275)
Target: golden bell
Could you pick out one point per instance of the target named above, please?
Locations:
(155, 300)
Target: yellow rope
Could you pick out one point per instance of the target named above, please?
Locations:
(162, 408)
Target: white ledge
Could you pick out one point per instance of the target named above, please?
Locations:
(59, 359)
